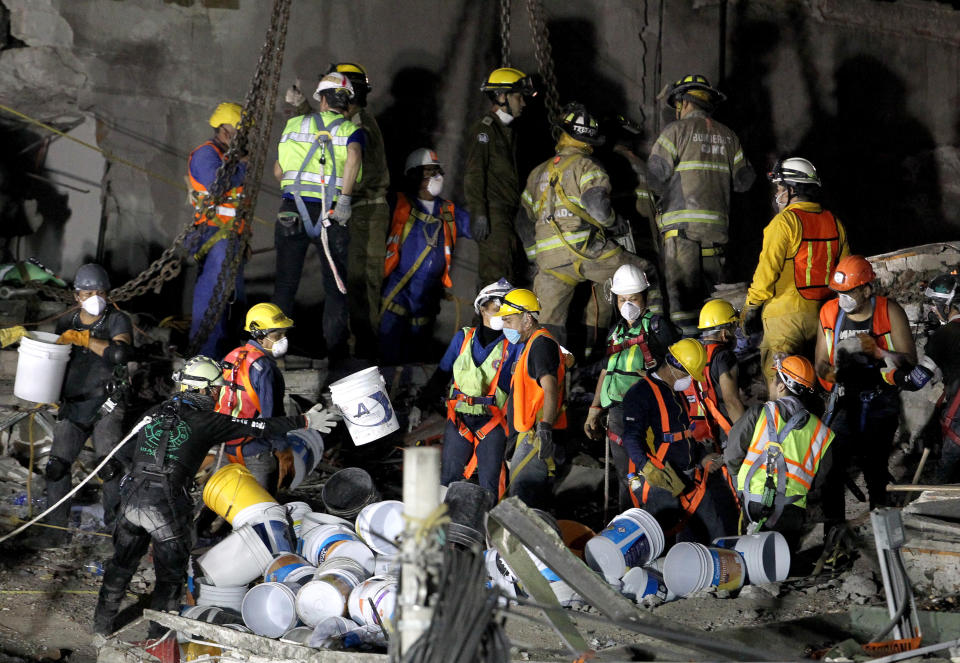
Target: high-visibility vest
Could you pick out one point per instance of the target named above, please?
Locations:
(703, 403)
(817, 255)
(476, 388)
(628, 359)
(238, 397)
(527, 394)
(226, 211)
(831, 318)
(796, 464)
(404, 216)
(320, 175)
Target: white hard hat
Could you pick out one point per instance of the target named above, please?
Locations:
(422, 156)
(334, 81)
(629, 279)
(795, 171)
(496, 290)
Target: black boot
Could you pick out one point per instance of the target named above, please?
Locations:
(112, 591)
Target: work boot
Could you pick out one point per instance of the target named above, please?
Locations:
(112, 591)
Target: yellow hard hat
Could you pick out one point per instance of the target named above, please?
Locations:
(508, 79)
(688, 354)
(715, 313)
(355, 72)
(265, 317)
(519, 300)
(226, 113)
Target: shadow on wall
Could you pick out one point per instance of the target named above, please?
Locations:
(413, 118)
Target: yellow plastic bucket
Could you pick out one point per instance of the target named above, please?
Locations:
(232, 489)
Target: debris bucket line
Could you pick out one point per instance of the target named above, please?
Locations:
(232, 489)
(362, 399)
(691, 567)
(634, 538)
(766, 554)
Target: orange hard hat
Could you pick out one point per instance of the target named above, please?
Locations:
(796, 372)
(851, 272)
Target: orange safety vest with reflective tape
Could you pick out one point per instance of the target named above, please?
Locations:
(818, 253)
(527, 394)
(226, 211)
(830, 313)
(404, 215)
(237, 397)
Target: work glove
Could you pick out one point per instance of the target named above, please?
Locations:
(293, 95)
(284, 465)
(545, 435)
(592, 426)
(750, 321)
(480, 228)
(711, 462)
(11, 335)
(342, 211)
(321, 419)
(868, 346)
(76, 337)
(665, 479)
(415, 418)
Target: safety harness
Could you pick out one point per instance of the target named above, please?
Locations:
(237, 377)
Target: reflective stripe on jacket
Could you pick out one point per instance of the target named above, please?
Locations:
(238, 397)
(476, 388)
(527, 394)
(226, 211)
(832, 317)
(628, 359)
(299, 136)
(404, 217)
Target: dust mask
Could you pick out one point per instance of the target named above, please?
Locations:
(279, 348)
(683, 383)
(847, 303)
(435, 185)
(496, 323)
(504, 116)
(630, 311)
(94, 305)
(778, 203)
(513, 335)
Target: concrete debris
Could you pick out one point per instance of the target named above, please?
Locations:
(858, 588)
(38, 23)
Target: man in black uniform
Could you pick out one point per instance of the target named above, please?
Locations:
(101, 336)
(155, 503)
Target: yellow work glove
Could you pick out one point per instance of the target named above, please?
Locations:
(76, 337)
(666, 479)
(11, 335)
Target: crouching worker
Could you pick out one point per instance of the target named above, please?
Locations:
(674, 477)
(780, 452)
(535, 406)
(155, 503)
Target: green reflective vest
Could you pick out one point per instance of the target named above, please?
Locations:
(624, 366)
(298, 139)
(478, 382)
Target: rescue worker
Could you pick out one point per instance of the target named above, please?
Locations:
(420, 246)
(567, 203)
(210, 240)
(678, 480)
(941, 354)
(370, 214)
(535, 405)
(254, 389)
(636, 344)
(92, 402)
(317, 175)
(155, 503)
(802, 245)
(480, 362)
(862, 332)
(780, 452)
(692, 167)
(490, 179)
(714, 404)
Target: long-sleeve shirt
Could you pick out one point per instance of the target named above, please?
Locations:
(269, 385)
(643, 432)
(206, 162)
(490, 178)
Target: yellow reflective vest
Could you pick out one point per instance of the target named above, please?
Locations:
(304, 153)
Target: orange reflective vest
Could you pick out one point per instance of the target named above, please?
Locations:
(831, 317)
(817, 255)
(237, 397)
(404, 215)
(703, 403)
(226, 211)
(527, 394)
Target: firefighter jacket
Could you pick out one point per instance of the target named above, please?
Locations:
(631, 351)
(801, 247)
(490, 177)
(692, 167)
(556, 198)
(202, 166)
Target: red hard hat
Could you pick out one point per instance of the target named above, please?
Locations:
(851, 272)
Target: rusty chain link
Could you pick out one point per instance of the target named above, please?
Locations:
(544, 54)
(505, 8)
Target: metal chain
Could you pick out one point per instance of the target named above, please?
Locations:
(505, 8)
(541, 43)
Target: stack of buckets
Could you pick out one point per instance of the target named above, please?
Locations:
(316, 571)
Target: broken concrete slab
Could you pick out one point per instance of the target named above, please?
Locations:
(38, 23)
(936, 504)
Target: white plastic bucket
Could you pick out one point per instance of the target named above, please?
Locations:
(634, 538)
(356, 551)
(379, 524)
(499, 572)
(319, 541)
(298, 635)
(221, 597)
(41, 365)
(564, 593)
(388, 565)
(282, 566)
(382, 591)
(237, 560)
(326, 596)
(767, 555)
(295, 512)
(259, 513)
(690, 567)
(210, 614)
(639, 582)
(307, 447)
(275, 534)
(270, 609)
(362, 399)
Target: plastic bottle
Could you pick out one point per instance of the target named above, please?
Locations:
(94, 567)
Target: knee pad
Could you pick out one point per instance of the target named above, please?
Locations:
(112, 470)
(56, 469)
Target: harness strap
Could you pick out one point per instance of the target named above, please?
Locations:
(322, 139)
(661, 451)
(388, 300)
(949, 416)
(641, 340)
(223, 232)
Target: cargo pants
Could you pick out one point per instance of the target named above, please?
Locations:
(691, 270)
(368, 227)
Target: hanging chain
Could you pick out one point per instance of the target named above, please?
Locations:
(541, 43)
(505, 33)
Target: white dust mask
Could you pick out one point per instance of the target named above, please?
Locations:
(94, 305)
(847, 303)
(435, 185)
(496, 323)
(630, 311)
(683, 383)
(279, 348)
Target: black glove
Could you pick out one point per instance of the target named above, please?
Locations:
(480, 228)
(750, 321)
(545, 435)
